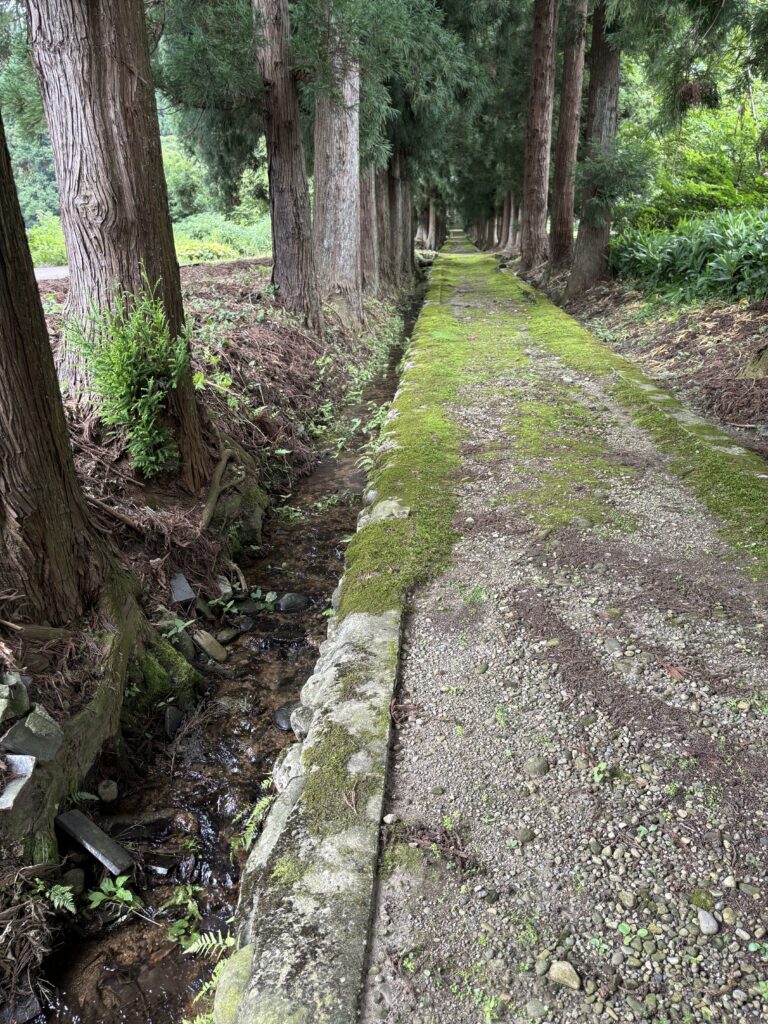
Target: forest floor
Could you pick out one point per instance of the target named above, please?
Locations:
(576, 825)
(701, 351)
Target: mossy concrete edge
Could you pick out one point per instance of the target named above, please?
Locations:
(307, 891)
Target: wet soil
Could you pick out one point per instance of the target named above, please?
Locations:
(180, 817)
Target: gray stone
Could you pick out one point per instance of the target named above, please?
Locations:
(282, 716)
(209, 645)
(24, 1008)
(535, 1009)
(225, 588)
(301, 720)
(108, 791)
(524, 835)
(173, 719)
(707, 923)
(293, 603)
(181, 591)
(561, 972)
(21, 766)
(536, 767)
(75, 880)
(14, 699)
(185, 645)
(114, 857)
(226, 636)
(37, 735)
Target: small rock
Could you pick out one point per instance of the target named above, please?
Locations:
(293, 603)
(209, 645)
(173, 720)
(181, 591)
(226, 636)
(536, 767)
(389, 819)
(729, 915)
(748, 889)
(108, 791)
(561, 972)
(75, 880)
(282, 716)
(37, 735)
(707, 923)
(225, 588)
(535, 1009)
(14, 699)
(524, 835)
(627, 899)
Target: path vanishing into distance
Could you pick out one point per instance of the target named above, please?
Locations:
(575, 823)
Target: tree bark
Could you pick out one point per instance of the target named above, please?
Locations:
(293, 263)
(406, 227)
(384, 229)
(337, 190)
(369, 233)
(92, 59)
(590, 263)
(505, 215)
(396, 220)
(52, 562)
(432, 229)
(538, 137)
(564, 182)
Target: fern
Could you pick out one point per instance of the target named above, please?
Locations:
(246, 837)
(134, 363)
(211, 944)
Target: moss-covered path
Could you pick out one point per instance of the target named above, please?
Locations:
(576, 828)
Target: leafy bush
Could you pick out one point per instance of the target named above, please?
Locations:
(185, 177)
(46, 242)
(189, 250)
(134, 363)
(721, 256)
(245, 239)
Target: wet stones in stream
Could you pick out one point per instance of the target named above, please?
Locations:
(282, 715)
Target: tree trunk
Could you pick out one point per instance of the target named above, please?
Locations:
(92, 58)
(538, 137)
(384, 230)
(406, 228)
(337, 190)
(293, 262)
(432, 230)
(564, 183)
(505, 215)
(590, 263)
(369, 233)
(52, 562)
(396, 220)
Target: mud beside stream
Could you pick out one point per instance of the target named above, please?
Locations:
(180, 817)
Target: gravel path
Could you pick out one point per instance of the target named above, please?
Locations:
(576, 828)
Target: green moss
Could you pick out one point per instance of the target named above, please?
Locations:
(288, 870)
(399, 856)
(732, 486)
(232, 985)
(387, 559)
(702, 899)
(328, 791)
(186, 682)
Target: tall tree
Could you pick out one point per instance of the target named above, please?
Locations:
(538, 139)
(337, 181)
(52, 562)
(564, 181)
(590, 258)
(293, 261)
(92, 58)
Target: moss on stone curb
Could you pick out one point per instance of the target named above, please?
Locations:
(730, 481)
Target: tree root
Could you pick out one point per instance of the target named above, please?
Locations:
(216, 488)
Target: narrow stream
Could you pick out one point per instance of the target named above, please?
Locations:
(180, 818)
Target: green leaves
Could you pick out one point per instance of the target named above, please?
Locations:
(134, 363)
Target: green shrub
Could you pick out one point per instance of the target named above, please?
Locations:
(46, 242)
(723, 256)
(190, 250)
(245, 239)
(185, 178)
(134, 363)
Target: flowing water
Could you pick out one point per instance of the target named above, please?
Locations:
(181, 816)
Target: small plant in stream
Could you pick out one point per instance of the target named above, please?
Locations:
(114, 897)
(183, 929)
(60, 897)
(252, 821)
(211, 945)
